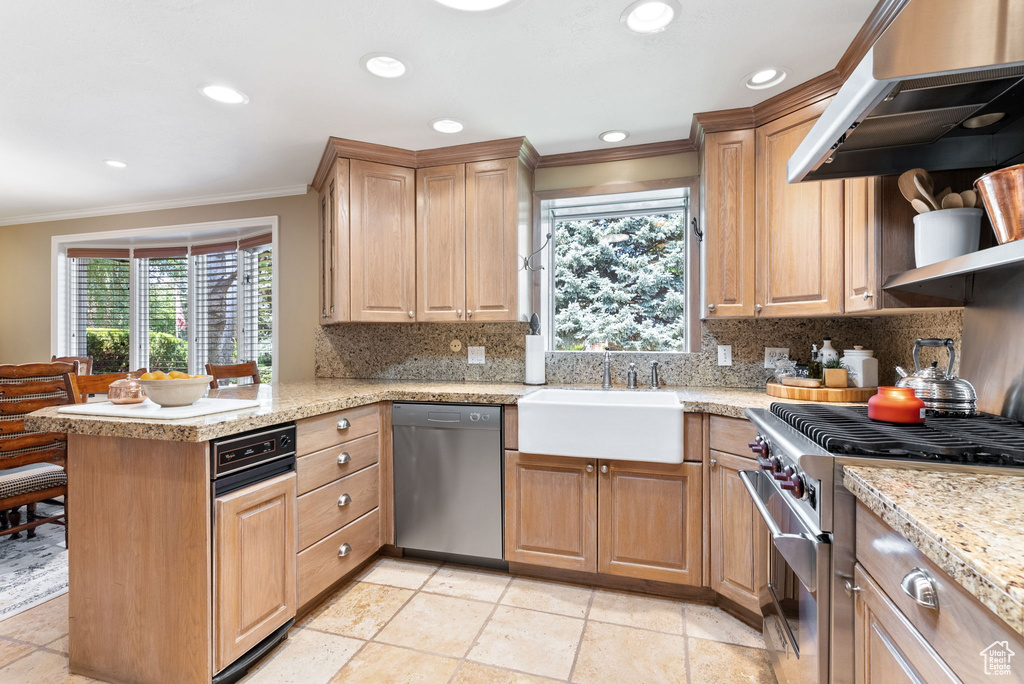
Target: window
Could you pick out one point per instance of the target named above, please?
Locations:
(618, 272)
(171, 308)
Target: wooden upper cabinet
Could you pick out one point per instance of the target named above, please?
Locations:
(383, 242)
(739, 538)
(728, 193)
(650, 521)
(254, 565)
(862, 272)
(441, 243)
(334, 255)
(799, 226)
(492, 231)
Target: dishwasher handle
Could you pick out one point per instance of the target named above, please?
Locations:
(447, 416)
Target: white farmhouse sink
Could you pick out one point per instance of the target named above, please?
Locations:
(622, 425)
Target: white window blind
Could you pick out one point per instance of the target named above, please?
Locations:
(162, 321)
(257, 307)
(216, 301)
(99, 303)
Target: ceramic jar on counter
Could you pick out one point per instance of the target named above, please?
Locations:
(863, 366)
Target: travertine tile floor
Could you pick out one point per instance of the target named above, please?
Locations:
(414, 621)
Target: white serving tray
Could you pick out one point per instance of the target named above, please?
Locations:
(147, 410)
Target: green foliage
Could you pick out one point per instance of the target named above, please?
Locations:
(167, 352)
(108, 348)
(623, 295)
(833, 363)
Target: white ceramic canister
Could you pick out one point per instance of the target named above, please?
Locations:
(827, 351)
(946, 234)
(863, 366)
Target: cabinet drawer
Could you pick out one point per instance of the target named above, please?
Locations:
(320, 432)
(960, 628)
(320, 512)
(319, 468)
(732, 435)
(320, 565)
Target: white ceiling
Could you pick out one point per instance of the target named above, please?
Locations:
(81, 82)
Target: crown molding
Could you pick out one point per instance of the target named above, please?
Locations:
(481, 151)
(612, 154)
(160, 205)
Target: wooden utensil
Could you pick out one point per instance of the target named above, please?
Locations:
(906, 182)
(942, 195)
(952, 201)
(970, 198)
(920, 206)
(924, 193)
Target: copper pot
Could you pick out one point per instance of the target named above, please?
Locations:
(126, 391)
(1002, 192)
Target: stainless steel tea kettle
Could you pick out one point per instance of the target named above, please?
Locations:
(943, 393)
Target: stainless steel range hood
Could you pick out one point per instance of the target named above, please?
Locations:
(915, 100)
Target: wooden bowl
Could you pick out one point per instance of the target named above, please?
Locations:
(177, 392)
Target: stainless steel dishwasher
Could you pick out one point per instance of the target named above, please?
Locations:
(449, 495)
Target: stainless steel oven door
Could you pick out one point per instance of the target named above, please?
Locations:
(795, 601)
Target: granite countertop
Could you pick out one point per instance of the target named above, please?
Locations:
(969, 524)
(283, 402)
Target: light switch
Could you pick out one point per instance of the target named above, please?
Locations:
(476, 355)
(725, 355)
(773, 354)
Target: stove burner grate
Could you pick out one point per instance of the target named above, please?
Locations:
(984, 439)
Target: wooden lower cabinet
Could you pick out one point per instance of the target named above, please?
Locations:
(649, 521)
(254, 565)
(887, 648)
(739, 538)
(333, 557)
(551, 511)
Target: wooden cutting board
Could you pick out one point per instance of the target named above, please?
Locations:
(833, 394)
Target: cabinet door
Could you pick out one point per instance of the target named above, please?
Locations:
(739, 538)
(492, 261)
(254, 565)
(334, 255)
(441, 243)
(728, 200)
(887, 649)
(862, 273)
(551, 511)
(383, 242)
(799, 227)
(650, 521)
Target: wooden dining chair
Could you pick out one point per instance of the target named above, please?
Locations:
(32, 463)
(99, 384)
(239, 370)
(84, 363)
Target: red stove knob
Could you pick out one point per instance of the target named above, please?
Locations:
(765, 465)
(795, 484)
(784, 474)
(757, 447)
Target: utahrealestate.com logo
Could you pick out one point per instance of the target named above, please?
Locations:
(997, 658)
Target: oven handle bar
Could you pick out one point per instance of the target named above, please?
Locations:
(799, 551)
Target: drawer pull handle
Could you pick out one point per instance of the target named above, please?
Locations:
(344, 459)
(850, 588)
(344, 550)
(344, 500)
(343, 424)
(919, 586)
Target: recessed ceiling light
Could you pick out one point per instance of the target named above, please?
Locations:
(117, 164)
(650, 16)
(447, 125)
(223, 93)
(383, 65)
(614, 136)
(479, 5)
(765, 78)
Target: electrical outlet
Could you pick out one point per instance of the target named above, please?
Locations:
(773, 354)
(455, 345)
(725, 355)
(476, 355)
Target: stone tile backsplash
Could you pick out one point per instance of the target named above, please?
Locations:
(421, 351)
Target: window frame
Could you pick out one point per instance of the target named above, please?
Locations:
(543, 279)
(158, 236)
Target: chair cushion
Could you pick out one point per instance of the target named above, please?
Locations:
(31, 478)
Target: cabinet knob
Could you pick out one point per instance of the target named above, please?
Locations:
(590, 468)
(344, 550)
(344, 458)
(850, 589)
(867, 296)
(469, 313)
(332, 309)
(757, 308)
(412, 314)
(343, 424)
(458, 313)
(714, 462)
(344, 500)
(604, 469)
(711, 307)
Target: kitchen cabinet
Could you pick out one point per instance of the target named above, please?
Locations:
(862, 228)
(739, 538)
(441, 243)
(799, 226)
(334, 245)
(728, 192)
(382, 206)
(649, 521)
(493, 191)
(254, 565)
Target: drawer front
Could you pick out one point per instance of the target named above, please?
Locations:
(961, 627)
(732, 435)
(321, 432)
(322, 467)
(321, 513)
(320, 565)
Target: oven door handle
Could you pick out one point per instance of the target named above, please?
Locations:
(799, 550)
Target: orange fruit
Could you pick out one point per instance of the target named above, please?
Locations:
(147, 376)
(178, 375)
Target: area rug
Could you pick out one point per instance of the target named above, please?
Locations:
(33, 570)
